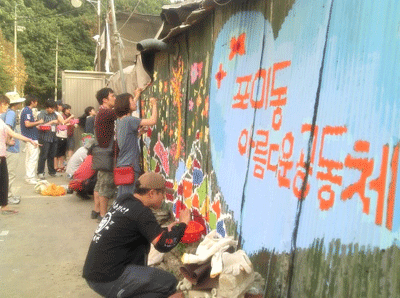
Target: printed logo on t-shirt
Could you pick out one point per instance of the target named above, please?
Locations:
(107, 221)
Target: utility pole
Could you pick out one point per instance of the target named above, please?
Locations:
(118, 42)
(56, 74)
(99, 32)
(57, 49)
(15, 49)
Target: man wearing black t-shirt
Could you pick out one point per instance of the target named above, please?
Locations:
(116, 264)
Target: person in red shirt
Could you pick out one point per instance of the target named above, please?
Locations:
(104, 133)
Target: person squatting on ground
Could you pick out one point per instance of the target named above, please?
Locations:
(48, 139)
(127, 132)
(7, 135)
(104, 133)
(116, 263)
(77, 158)
(29, 130)
(13, 147)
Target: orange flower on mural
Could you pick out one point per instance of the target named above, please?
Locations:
(187, 188)
(195, 201)
(198, 100)
(206, 106)
(217, 208)
(237, 46)
(220, 76)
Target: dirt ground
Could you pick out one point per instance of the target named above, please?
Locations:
(43, 247)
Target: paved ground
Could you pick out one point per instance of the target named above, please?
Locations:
(42, 249)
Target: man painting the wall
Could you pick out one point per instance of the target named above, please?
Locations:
(116, 264)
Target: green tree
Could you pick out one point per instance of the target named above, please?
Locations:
(7, 67)
(152, 7)
(44, 21)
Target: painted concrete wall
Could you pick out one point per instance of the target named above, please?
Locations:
(280, 125)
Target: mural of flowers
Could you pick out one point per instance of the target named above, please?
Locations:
(238, 46)
(162, 154)
(191, 104)
(220, 75)
(165, 87)
(195, 71)
(165, 152)
(206, 106)
(176, 84)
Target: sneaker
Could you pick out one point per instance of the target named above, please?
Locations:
(99, 218)
(94, 214)
(32, 181)
(55, 175)
(41, 176)
(14, 200)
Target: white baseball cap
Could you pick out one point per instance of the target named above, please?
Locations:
(14, 97)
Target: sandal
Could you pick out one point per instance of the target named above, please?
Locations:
(8, 212)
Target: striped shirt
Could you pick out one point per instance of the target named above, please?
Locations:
(48, 135)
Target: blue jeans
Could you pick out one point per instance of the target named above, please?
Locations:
(138, 281)
(47, 152)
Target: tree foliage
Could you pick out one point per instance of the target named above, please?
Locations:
(8, 71)
(152, 7)
(44, 21)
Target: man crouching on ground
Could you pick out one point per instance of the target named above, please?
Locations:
(116, 264)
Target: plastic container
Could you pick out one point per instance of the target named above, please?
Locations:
(44, 127)
(193, 232)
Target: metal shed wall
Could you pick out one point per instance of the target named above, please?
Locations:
(279, 124)
(79, 91)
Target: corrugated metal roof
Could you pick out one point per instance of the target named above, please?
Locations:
(181, 16)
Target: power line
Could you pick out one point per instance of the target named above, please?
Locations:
(130, 15)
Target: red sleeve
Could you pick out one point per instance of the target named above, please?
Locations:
(104, 126)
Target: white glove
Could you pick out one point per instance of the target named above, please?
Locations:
(236, 262)
(212, 244)
(237, 275)
(216, 262)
